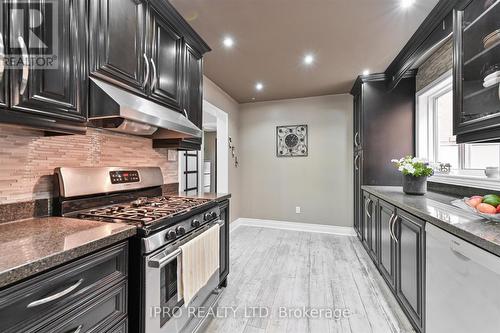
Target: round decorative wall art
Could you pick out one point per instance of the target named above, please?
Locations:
(291, 141)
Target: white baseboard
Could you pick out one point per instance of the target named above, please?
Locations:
(296, 226)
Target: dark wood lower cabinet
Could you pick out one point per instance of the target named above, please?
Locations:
(90, 292)
(358, 214)
(370, 240)
(387, 245)
(365, 234)
(410, 254)
(395, 240)
(100, 314)
(224, 243)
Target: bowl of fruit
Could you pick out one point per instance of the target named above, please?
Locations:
(487, 206)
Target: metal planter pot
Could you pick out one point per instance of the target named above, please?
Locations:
(414, 185)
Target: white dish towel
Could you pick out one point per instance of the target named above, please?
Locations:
(199, 261)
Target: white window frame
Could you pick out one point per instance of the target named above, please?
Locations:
(427, 143)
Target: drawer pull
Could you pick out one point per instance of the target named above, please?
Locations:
(55, 296)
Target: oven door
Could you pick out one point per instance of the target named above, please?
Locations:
(164, 309)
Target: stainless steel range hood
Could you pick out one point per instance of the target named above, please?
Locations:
(118, 110)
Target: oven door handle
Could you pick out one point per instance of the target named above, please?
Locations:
(174, 254)
(165, 260)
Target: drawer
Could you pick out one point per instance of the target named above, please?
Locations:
(98, 314)
(54, 292)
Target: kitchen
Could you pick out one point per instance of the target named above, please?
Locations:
(232, 166)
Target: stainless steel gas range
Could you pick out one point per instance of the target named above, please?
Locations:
(164, 224)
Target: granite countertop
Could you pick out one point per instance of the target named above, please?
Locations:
(436, 208)
(31, 246)
(218, 197)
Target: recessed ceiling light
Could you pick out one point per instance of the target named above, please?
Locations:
(407, 3)
(366, 72)
(228, 42)
(259, 86)
(308, 59)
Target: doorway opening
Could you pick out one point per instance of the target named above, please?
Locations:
(207, 171)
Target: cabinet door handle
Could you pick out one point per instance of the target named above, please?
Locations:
(24, 78)
(390, 225)
(396, 217)
(356, 138)
(356, 160)
(146, 77)
(55, 296)
(2, 60)
(367, 202)
(155, 78)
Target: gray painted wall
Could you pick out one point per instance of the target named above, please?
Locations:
(321, 184)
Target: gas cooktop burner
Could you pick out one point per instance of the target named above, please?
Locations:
(144, 211)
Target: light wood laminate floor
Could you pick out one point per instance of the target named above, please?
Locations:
(280, 272)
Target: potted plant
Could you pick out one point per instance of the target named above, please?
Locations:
(415, 172)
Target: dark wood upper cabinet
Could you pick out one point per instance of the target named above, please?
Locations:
(166, 61)
(118, 42)
(143, 46)
(384, 123)
(60, 90)
(193, 97)
(476, 99)
(357, 133)
(148, 48)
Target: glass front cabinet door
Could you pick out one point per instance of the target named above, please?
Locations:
(477, 71)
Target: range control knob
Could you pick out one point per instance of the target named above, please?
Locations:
(180, 230)
(214, 215)
(195, 223)
(207, 216)
(171, 235)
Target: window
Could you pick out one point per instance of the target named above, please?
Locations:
(435, 139)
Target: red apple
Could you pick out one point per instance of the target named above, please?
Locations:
(498, 209)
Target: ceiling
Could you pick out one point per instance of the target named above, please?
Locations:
(273, 36)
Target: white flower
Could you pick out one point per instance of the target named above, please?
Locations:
(394, 160)
(401, 168)
(410, 169)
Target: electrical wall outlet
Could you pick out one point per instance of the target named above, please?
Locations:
(297, 210)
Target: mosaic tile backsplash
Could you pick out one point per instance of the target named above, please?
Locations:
(28, 158)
